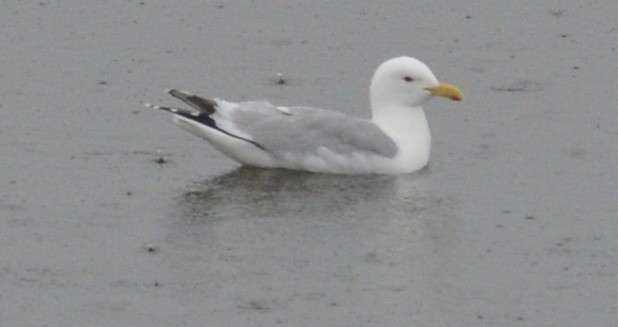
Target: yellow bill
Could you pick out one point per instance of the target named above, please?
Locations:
(446, 90)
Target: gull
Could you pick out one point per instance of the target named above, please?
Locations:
(395, 140)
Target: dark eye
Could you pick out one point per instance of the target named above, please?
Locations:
(408, 79)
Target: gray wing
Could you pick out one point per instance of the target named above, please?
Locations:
(299, 130)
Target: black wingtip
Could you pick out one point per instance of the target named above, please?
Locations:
(179, 93)
(203, 105)
(203, 117)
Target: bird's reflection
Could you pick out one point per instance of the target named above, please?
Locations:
(365, 229)
(284, 198)
(266, 193)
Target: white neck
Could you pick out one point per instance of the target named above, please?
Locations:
(409, 129)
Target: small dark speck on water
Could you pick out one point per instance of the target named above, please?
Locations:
(257, 306)
(151, 249)
(521, 86)
(280, 80)
(156, 284)
(557, 13)
(160, 160)
(530, 217)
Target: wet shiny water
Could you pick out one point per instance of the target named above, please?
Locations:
(512, 224)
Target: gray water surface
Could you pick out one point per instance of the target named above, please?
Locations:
(512, 224)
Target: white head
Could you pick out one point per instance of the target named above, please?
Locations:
(407, 82)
